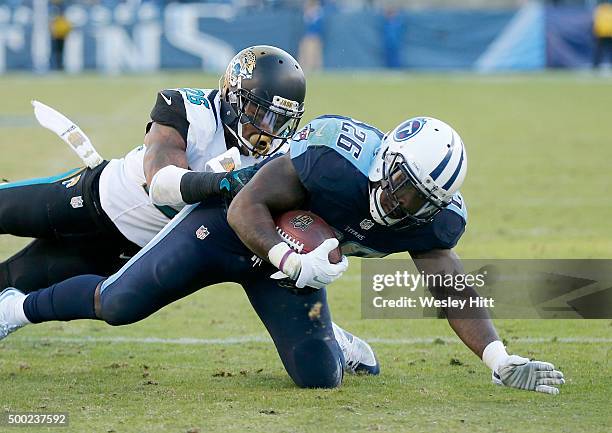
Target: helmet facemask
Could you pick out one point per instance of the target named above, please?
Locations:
(268, 124)
(400, 199)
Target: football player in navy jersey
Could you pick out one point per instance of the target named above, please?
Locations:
(407, 182)
(381, 194)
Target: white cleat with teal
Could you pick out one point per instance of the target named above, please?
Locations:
(9, 323)
(359, 358)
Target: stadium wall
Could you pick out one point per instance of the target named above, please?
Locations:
(205, 36)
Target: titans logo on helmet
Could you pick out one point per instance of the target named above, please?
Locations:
(409, 129)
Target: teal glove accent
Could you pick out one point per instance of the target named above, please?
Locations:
(233, 181)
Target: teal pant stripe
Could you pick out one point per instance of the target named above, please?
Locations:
(40, 180)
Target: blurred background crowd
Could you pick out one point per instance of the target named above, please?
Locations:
(146, 35)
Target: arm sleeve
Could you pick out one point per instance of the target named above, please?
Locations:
(443, 232)
(171, 114)
(198, 186)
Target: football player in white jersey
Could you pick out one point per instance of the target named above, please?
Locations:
(88, 221)
(85, 220)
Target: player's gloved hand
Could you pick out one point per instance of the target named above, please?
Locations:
(316, 269)
(518, 372)
(312, 269)
(232, 182)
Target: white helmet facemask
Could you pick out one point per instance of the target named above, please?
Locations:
(376, 209)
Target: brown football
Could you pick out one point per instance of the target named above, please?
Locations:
(304, 231)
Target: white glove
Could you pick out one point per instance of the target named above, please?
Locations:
(312, 269)
(518, 372)
(226, 162)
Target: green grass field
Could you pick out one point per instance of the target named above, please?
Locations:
(538, 186)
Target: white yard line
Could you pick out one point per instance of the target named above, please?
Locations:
(265, 339)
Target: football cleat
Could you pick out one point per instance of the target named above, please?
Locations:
(359, 358)
(9, 322)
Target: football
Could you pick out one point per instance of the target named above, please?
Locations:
(304, 231)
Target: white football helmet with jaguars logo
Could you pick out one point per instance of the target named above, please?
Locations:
(416, 171)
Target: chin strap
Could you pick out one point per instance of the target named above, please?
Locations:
(237, 135)
(231, 122)
(375, 205)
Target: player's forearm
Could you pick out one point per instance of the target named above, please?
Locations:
(198, 186)
(472, 325)
(253, 224)
(275, 188)
(475, 333)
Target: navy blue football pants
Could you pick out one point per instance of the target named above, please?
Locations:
(197, 249)
(73, 235)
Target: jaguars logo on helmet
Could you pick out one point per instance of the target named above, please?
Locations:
(241, 67)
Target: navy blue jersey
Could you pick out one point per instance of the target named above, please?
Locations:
(332, 155)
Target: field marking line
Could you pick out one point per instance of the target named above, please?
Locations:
(188, 341)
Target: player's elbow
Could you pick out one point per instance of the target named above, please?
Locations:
(236, 211)
(232, 215)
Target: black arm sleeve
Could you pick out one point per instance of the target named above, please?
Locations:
(171, 114)
(197, 186)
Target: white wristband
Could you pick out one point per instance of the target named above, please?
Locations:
(494, 354)
(285, 259)
(165, 188)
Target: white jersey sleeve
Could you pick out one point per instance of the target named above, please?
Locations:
(194, 113)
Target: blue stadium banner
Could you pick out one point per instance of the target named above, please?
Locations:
(142, 37)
